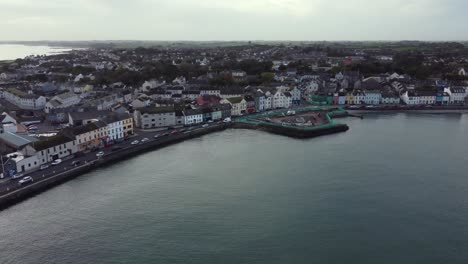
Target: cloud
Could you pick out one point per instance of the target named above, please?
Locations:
(234, 19)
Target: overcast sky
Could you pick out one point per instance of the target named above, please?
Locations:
(233, 19)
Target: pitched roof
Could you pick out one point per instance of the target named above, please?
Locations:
(50, 142)
(234, 100)
(16, 140)
(156, 110)
(89, 115)
(22, 94)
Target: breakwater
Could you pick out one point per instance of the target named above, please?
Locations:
(295, 132)
(50, 181)
(264, 123)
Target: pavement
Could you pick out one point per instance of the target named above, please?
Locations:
(9, 185)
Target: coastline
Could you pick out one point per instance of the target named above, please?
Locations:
(28, 191)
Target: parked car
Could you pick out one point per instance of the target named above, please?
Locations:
(135, 142)
(210, 121)
(17, 175)
(25, 180)
(44, 166)
(205, 125)
(171, 127)
(100, 154)
(174, 132)
(156, 136)
(165, 135)
(227, 120)
(144, 140)
(56, 162)
(76, 162)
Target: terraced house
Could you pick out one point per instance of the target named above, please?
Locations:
(24, 100)
(238, 105)
(88, 136)
(154, 117)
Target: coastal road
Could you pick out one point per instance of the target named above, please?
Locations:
(10, 185)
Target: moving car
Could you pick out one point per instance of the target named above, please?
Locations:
(100, 154)
(56, 162)
(144, 140)
(135, 142)
(25, 180)
(44, 166)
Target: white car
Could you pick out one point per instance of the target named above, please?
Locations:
(135, 142)
(144, 140)
(100, 154)
(44, 166)
(56, 162)
(205, 125)
(25, 180)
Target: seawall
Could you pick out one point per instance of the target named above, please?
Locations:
(295, 132)
(37, 187)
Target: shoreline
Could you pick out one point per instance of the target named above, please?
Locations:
(49, 182)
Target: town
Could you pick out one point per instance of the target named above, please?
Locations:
(90, 102)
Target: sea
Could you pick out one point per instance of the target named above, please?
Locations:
(392, 189)
(14, 51)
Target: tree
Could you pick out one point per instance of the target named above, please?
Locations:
(267, 77)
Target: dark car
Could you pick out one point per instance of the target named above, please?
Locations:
(165, 135)
(171, 127)
(174, 132)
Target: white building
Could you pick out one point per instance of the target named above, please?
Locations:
(427, 97)
(25, 100)
(410, 98)
(62, 101)
(372, 97)
(193, 116)
(457, 95)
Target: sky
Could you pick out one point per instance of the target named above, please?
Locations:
(199, 20)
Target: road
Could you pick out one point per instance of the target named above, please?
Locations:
(10, 185)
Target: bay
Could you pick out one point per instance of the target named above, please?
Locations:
(393, 189)
(13, 51)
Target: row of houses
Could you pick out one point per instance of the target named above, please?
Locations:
(31, 152)
(156, 117)
(441, 96)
